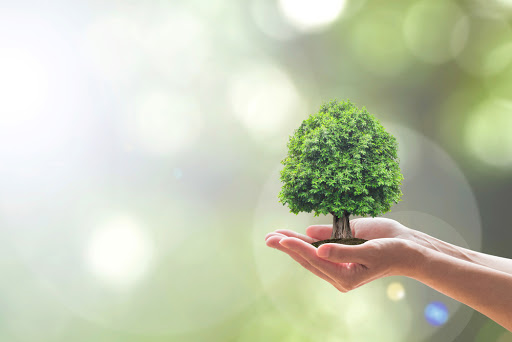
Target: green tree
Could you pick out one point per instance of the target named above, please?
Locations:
(341, 161)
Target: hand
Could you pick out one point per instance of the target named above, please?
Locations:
(363, 228)
(346, 267)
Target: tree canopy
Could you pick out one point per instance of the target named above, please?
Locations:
(341, 160)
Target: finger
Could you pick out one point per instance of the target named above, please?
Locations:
(291, 233)
(274, 243)
(336, 252)
(345, 274)
(320, 232)
(308, 252)
(273, 234)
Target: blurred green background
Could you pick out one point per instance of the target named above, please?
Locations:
(140, 144)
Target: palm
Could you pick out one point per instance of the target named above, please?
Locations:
(352, 266)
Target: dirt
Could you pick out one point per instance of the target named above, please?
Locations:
(350, 241)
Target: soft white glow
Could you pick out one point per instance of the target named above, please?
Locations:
(132, 42)
(487, 133)
(395, 291)
(267, 17)
(310, 15)
(23, 87)
(262, 98)
(165, 123)
(119, 252)
(177, 44)
(113, 43)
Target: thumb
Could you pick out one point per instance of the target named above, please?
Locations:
(336, 252)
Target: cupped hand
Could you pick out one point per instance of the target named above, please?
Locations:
(347, 267)
(369, 229)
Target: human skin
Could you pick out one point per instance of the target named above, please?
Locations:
(481, 281)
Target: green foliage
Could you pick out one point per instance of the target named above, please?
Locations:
(341, 160)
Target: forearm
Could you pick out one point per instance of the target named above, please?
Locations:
(495, 262)
(486, 290)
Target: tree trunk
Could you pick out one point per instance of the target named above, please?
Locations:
(341, 227)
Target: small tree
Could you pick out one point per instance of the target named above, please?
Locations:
(341, 162)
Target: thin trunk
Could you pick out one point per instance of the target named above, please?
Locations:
(341, 227)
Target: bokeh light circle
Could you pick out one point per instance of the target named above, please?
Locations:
(442, 40)
(311, 302)
(119, 252)
(436, 313)
(487, 50)
(395, 291)
(500, 84)
(377, 42)
(263, 97)
(268, 18)
(165, 249)
(487, 133)
(310, 15)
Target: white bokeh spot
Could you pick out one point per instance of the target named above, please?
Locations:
(268, 18)
(263, 97)
(309, 15)
(119, 252)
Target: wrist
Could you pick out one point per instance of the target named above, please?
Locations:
(421, 238)
(414, 259)
(443, 247)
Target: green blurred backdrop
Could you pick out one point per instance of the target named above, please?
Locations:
(140, 144)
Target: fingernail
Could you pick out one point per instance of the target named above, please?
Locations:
(323, 252)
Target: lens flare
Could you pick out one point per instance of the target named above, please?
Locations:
(396, 291)
(436, 313)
